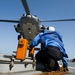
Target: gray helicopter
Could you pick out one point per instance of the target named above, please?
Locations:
(29, 25)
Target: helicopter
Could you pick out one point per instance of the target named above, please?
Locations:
(29, 22)
(29, 25)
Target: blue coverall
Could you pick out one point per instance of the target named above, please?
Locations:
(47, 38)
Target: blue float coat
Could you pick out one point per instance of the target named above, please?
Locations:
(47, 38)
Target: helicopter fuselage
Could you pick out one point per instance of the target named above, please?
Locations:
(28, 27)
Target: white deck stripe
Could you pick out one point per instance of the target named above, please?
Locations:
(71, 67)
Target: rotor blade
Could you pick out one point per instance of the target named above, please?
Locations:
(12, 21)
(61, 20)
(25, 5)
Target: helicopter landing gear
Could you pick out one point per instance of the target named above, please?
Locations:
(26, 64)
(11, 65)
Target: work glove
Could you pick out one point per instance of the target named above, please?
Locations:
(29, 48)
(31, 51)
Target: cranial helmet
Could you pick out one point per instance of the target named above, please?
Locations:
(51, 28)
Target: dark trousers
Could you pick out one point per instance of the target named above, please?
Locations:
(43, 56)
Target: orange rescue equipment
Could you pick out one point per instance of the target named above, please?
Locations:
(21, 49)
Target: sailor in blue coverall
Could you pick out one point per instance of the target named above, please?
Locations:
(52, 48)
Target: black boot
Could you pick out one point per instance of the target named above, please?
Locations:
(56, 67)
(50, 65)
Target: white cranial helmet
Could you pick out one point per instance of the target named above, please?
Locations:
(51, 28)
